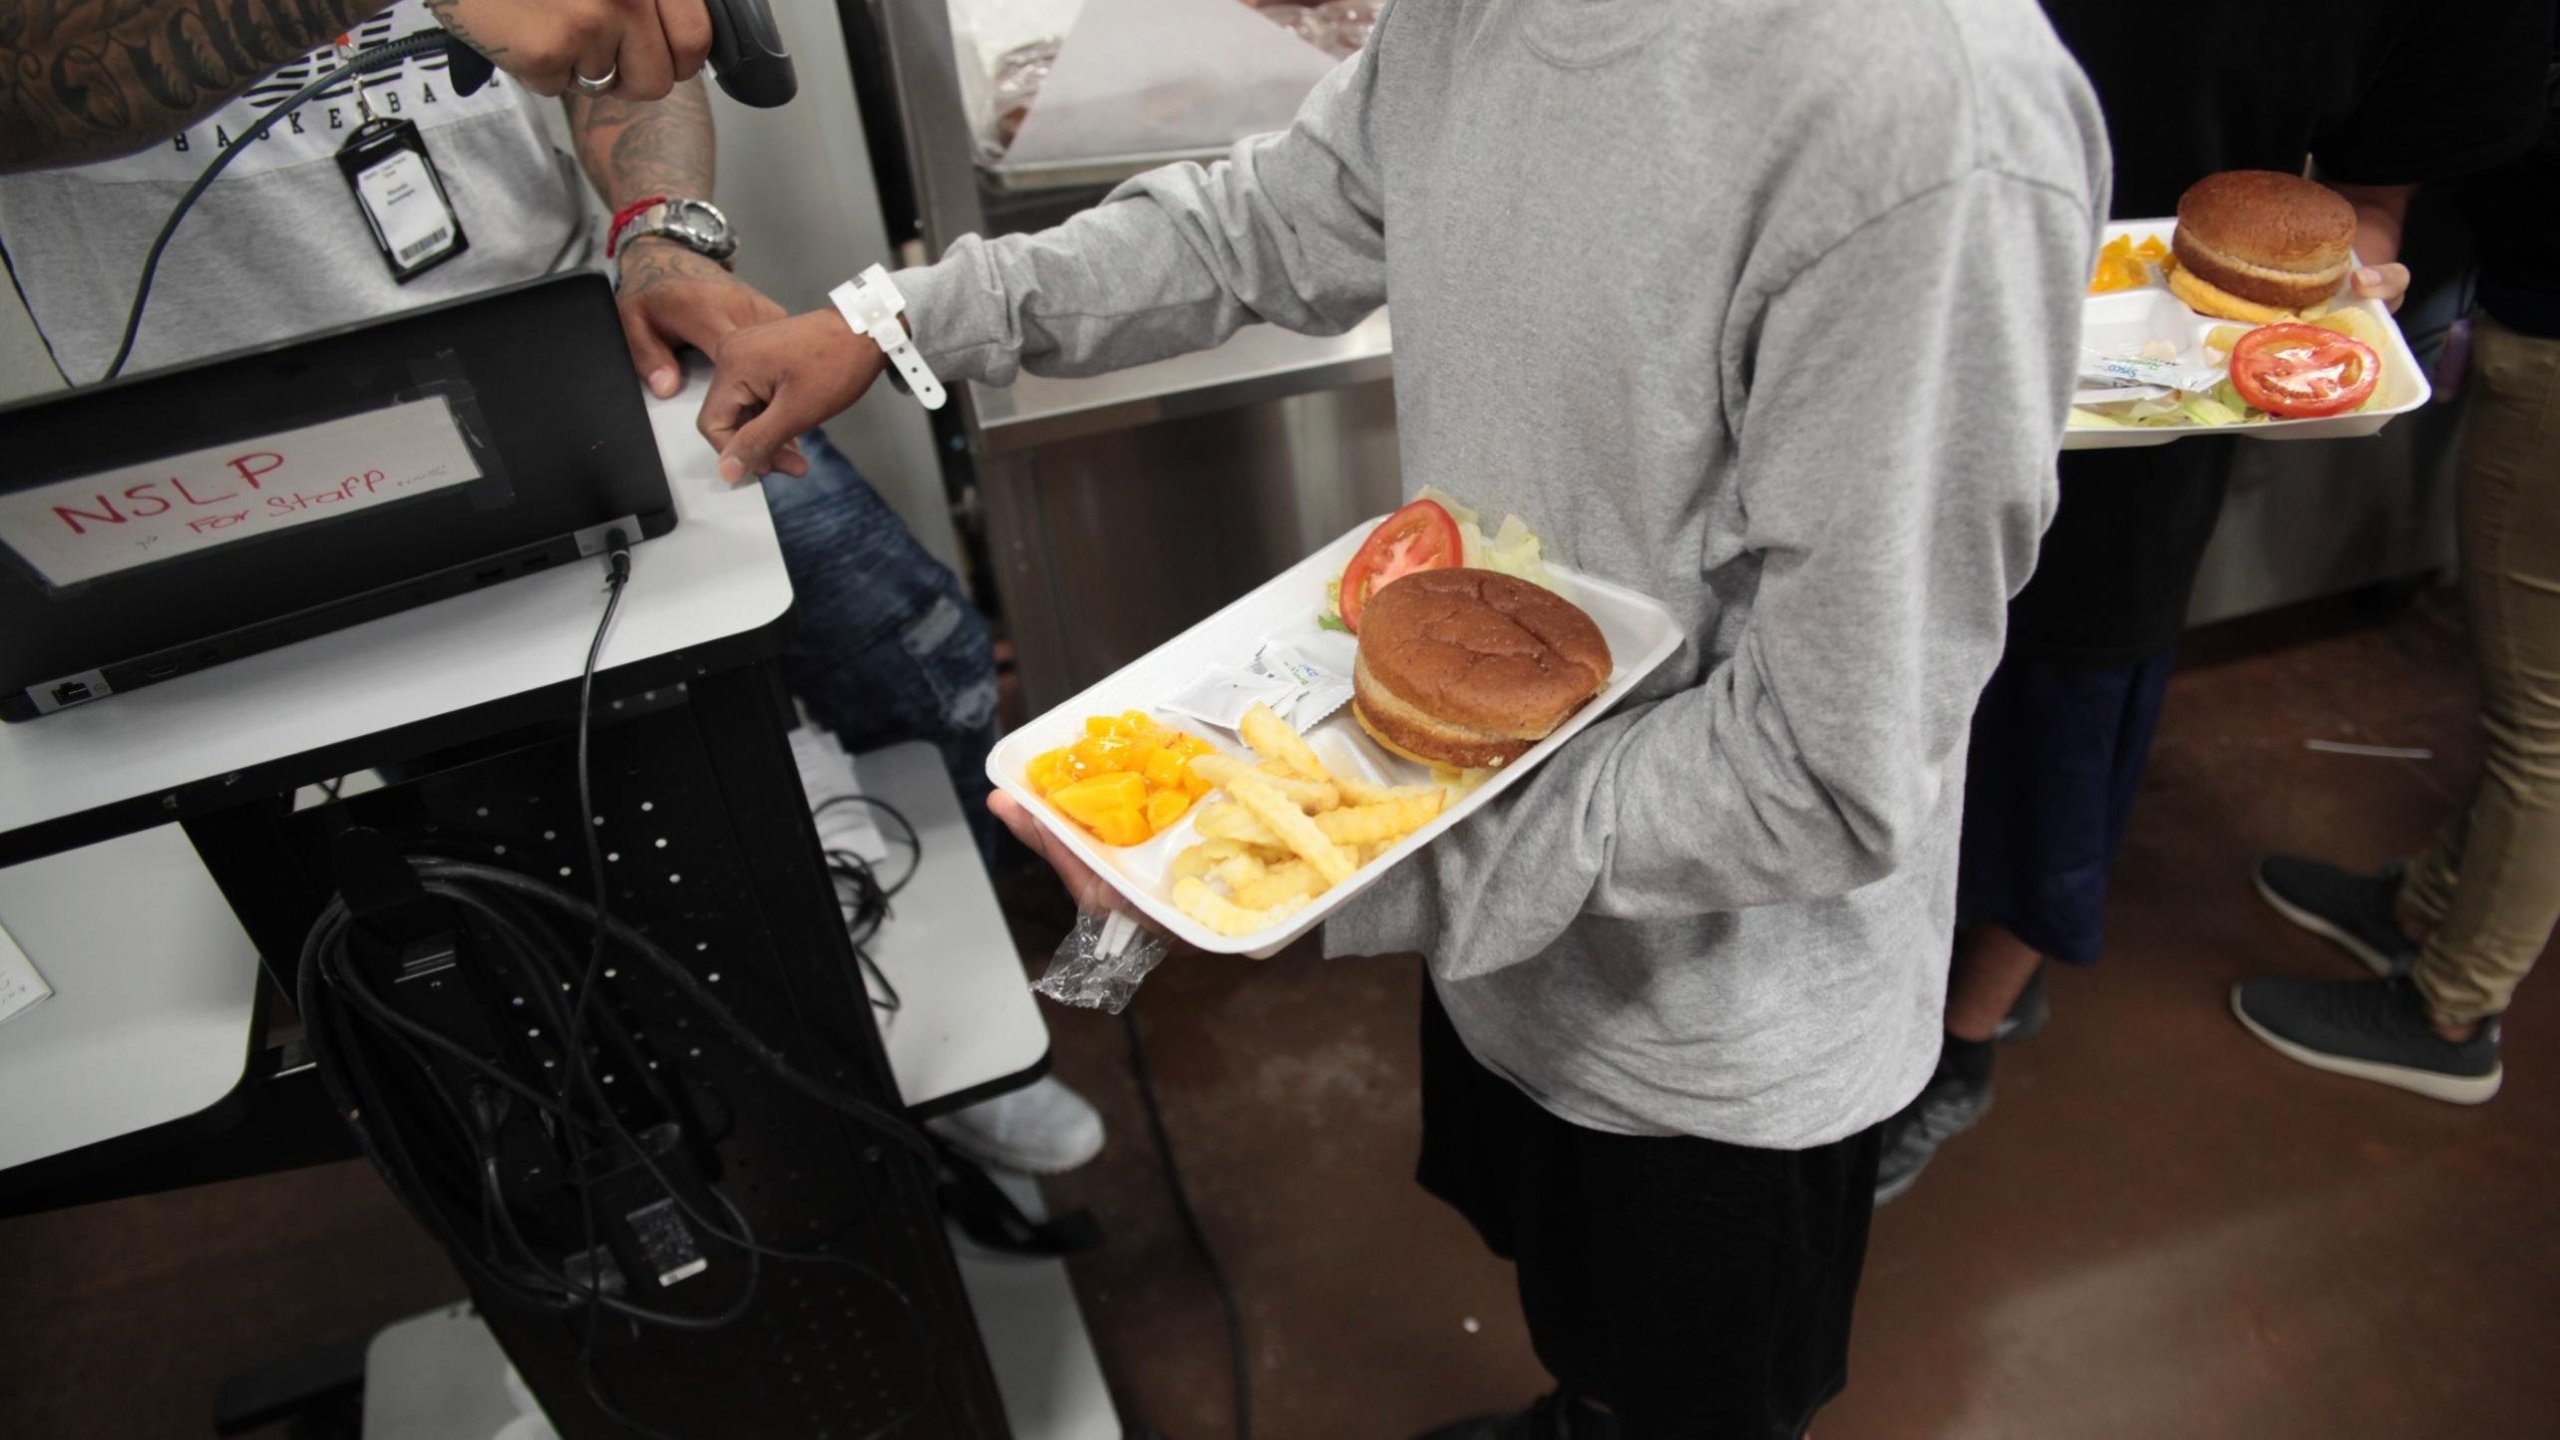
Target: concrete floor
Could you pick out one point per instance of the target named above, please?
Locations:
(2162, 1229)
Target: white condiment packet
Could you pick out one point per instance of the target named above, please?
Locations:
(2111, 394)
(1298, 689)
(2135, 370)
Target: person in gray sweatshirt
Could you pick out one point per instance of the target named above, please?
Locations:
(1769, 311)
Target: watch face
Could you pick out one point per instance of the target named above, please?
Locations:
(701, 227)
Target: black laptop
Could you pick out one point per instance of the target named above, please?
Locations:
(178, 519)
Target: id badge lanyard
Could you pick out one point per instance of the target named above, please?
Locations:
(397, 189)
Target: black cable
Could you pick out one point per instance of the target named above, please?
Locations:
(444, 1159)
(373, 59)
(915, 845)
(887, 1124)
(617, 576)
(864, 911)
(1240, 1364)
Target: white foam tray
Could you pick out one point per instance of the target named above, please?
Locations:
(2123, 321)
(1640, 632)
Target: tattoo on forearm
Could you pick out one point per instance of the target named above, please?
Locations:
(84, 80)
(632, 148)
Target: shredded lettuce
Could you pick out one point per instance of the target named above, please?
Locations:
(2206, 410)
(1515, 551)
(1458, 509)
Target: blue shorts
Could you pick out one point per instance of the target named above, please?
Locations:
(2058, 749)
(885, 646)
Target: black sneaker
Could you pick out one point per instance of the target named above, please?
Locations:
(2356, 911)
(1946, 1107)
(2373, 1030)
(2027, 1013)
(1555, 1417)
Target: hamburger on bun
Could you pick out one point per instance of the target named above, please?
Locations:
(1470, 668)
(2259, 245)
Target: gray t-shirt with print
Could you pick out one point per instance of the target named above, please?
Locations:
(277, 246)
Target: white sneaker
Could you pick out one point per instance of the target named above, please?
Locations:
(1044, 1128)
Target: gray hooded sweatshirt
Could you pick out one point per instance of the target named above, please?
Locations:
(1767, 308)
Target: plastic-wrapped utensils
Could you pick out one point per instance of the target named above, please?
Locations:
(1099, 964)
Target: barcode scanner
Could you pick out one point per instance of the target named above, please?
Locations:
(747, 57)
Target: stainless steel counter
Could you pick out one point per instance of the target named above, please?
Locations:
(1262, 363)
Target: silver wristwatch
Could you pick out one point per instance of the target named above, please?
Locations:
(697, 225)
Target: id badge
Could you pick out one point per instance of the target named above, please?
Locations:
(402, 197)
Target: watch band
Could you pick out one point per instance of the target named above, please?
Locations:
(622, 219)
(669, 217)
(871, 304)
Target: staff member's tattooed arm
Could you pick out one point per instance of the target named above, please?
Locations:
(670, 295)
(87, 80)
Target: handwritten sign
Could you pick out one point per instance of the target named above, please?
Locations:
(75, 530)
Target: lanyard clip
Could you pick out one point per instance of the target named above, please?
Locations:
(346, 49)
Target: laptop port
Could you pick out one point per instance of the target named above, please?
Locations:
(163, 670)
(491, 576)
(71, 692)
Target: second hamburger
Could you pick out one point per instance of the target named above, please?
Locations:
(1469, 668)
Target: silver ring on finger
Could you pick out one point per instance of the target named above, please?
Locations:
(611, 76)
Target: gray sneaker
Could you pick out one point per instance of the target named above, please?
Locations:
(2355, 911)
(1946, 1107)
(2373, 1030)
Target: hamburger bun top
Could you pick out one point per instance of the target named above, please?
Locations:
(1481, 649)
(2268, 218)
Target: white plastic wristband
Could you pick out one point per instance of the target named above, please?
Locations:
(871, 304)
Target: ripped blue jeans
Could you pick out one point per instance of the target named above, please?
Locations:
(886, 646)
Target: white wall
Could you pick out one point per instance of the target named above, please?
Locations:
(797, 183)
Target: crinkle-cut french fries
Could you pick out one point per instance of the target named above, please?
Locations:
(1200, 859)
(1197, 900)
(1388, 819)
(1356, 791)
(1294, 880)
(1288, 830)
(1273, 740)
(1302, 795)
(1190, 864)
(1237, 871)
(1263, 796)
(1227, 820)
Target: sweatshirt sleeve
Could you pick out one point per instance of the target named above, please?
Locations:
(1905, 398)
(1288, 229)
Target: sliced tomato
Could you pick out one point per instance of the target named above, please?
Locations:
(1421, 536)
(2303, 372)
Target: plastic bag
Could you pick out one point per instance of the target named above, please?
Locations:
(1099, 964)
